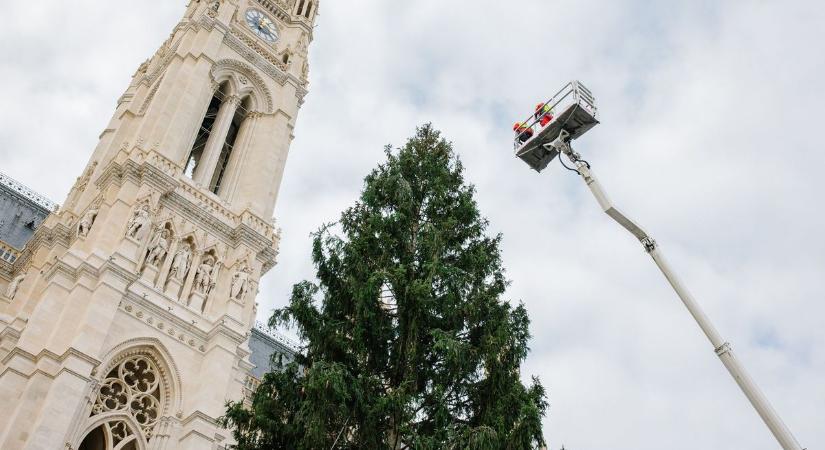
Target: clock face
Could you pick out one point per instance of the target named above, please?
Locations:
(261, 25)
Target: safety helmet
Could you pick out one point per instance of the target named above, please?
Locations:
(516, 126)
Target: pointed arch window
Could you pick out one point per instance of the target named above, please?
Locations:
(215, 141)
(228, 147)
(205, 131)
(129, 403)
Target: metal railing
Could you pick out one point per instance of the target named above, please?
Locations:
(28, 193)
(573, 93)
(280, 338)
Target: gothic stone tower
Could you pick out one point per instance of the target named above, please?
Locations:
(124, 323)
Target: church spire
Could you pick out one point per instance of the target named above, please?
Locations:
(152, 265)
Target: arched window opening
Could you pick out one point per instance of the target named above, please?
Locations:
(96, 440)
(205, 130)
(300, 9)
(285, 59)
(309, 10)
(133, 389)
(114, 435)
(228, 147)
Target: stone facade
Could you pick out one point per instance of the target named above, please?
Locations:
(21, 206)
(125, 322)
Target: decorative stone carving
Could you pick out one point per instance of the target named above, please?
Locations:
(181, 262)
(234, 100)
(261, 59)
(158, 248)
(84, 226)
(11, 292)
(305, 70)
(240, 284)
(214, 7)
(140, 223)
(133, 387)
(203, 277)
(143, 68)
(120, 432)
(81, 183)
(303, 46)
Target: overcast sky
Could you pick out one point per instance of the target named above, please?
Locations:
(711, 137)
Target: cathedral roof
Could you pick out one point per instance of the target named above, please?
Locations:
(23, 190)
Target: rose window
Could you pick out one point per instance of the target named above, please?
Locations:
(132, 387)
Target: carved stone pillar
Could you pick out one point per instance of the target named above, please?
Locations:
(217, 138)
(239, 155)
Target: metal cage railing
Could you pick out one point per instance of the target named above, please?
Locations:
(573, 110)
(573, 93)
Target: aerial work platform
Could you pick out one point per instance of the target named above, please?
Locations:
(546, 135)
(576, 114)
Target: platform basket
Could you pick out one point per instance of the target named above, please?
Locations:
(574, 111)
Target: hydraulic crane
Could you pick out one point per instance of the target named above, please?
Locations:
(537, 144)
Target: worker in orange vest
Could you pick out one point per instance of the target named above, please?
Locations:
(523, 131)
(544, 114)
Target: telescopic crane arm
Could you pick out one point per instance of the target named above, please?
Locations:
(723, 350)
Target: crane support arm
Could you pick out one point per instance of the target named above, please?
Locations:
(722, 349)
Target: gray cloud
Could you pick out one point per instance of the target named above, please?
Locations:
(710, 138)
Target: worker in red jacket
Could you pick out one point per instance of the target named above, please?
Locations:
(523, 131)
(544, 114)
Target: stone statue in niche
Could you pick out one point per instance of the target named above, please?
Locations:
(143, 68)
(80, 184)
(83, 180)
(213, 9)
(240, 284)
(305, 70)
(86, 222)
(203, 277)
(181, 262)
(11, 292)
(303, 46)
(140, 223)
(158, 248)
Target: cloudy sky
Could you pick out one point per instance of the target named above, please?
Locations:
(711, 137)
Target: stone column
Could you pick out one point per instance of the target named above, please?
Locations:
(263, 164)
(239, 155)
(217, 138)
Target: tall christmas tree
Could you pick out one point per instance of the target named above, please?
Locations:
(411, 345)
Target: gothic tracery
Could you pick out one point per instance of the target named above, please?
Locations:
(135, 388)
